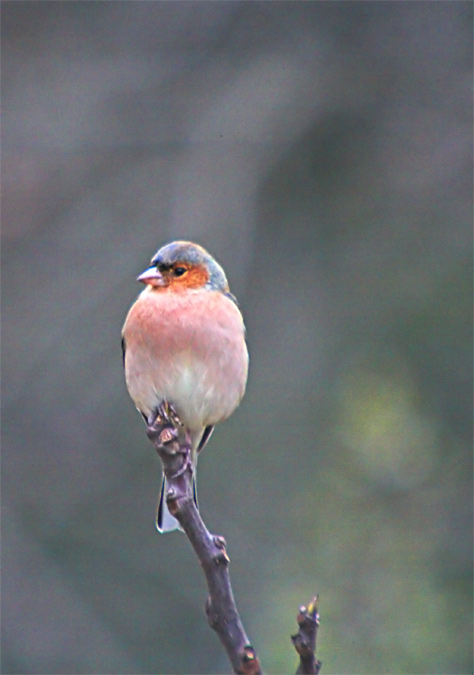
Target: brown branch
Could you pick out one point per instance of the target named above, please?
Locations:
(305, 639)
(172, 445)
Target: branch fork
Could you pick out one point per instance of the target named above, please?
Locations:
(172, 442)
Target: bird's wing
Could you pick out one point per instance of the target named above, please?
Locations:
(205, 437)
(123, 351)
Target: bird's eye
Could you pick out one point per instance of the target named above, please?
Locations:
(179, 271)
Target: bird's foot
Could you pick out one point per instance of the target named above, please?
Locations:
(187, 463)
(165, 426)
(170, 437)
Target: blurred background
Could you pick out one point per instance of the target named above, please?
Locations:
(322, 152)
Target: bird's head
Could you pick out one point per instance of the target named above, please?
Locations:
(182, 265)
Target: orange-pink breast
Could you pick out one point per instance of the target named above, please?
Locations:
(189, 349)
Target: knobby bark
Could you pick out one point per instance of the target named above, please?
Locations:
(172, 444)
(305, 639)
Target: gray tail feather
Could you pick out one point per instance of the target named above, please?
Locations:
(165, 522)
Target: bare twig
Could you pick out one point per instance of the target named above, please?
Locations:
(172, 444)
(305, 639)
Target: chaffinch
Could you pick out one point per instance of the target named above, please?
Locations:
(184, 344)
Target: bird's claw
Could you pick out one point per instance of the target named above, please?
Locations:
(168, 433)
(187, 463)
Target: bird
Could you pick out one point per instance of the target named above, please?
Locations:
(184, 345)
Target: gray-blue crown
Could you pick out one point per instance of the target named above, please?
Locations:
(186, 251)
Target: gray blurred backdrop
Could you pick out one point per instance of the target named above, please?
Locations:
(322, 152)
